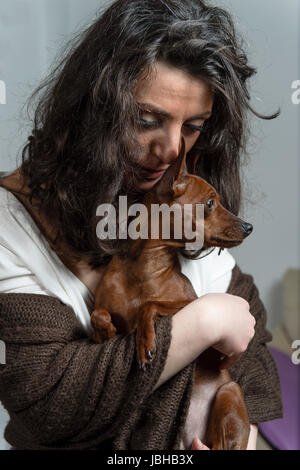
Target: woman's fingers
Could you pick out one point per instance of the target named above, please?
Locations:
(198, 445)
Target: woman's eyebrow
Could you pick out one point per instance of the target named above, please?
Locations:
(163, 113)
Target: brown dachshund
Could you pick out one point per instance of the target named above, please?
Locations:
(147, 282)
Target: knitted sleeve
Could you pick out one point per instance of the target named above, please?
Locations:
(256, 371)
(63, 391)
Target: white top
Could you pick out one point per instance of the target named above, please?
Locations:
(29, 265)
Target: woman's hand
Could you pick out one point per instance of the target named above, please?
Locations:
(228, 319)
(198, 445)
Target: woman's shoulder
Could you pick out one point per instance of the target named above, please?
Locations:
(18, 217)
(20, 247)
(9, 182)
(11, 213)
(8, 204)
(4, 197)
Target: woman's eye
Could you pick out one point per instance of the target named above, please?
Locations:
(147, 120)
(194, 129)
(148, 124)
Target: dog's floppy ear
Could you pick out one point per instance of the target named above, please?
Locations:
(174, 180)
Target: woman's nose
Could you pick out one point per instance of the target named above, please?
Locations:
(167, 148)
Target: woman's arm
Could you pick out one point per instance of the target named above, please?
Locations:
(222, 321)
(63, 391)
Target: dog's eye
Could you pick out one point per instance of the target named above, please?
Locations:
(210, 203)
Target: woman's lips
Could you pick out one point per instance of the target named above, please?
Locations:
(151, 174)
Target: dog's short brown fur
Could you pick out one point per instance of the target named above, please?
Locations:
(139, 287)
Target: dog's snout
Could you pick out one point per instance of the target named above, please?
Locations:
(247, 228)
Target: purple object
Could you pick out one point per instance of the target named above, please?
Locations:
(284, 434)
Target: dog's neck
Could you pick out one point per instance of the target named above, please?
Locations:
(151, 256)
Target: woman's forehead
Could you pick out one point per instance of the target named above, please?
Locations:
(172, 89)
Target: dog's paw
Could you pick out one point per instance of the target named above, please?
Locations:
(102, 325)
(146, 362)
(145, 349)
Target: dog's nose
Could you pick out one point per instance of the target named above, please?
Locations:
(247, 228)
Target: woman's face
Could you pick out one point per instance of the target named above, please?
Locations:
(174, 104)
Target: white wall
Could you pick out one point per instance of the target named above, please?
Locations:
(271, 28)
(31, 31)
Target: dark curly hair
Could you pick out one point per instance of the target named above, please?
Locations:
(83, 147)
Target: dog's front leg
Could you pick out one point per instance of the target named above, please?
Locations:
(145, 335)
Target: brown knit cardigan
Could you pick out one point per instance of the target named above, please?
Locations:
(62, 391)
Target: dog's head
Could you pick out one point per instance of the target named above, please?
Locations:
(221, 228)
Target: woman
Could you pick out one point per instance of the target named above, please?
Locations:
(144, 74)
